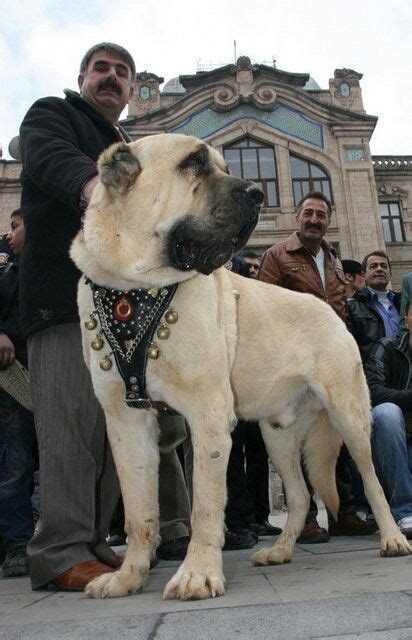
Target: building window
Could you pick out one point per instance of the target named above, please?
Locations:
(393, 230)
(253, 160)
(307, 176)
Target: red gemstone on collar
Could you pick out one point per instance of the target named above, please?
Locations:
(123, 309)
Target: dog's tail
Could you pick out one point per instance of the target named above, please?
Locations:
(320, 452)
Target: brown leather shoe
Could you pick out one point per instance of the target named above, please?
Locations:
(350, 524)
(312, 533)
(77, 577)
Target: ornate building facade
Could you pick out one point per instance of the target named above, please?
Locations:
(286, 133)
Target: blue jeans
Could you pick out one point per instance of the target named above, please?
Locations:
(17, 448)
(392, 457)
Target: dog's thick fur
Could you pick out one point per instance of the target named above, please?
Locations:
(240, 349)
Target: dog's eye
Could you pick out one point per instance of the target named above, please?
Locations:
(197, 162)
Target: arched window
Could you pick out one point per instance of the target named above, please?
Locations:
(255, 161)
(307, 176)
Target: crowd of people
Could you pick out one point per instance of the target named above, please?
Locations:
(68, 544)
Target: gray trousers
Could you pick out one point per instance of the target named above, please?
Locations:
(79, 488)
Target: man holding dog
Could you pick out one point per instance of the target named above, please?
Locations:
(61, 140)
(305, 262)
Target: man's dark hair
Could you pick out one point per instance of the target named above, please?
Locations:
(15, 213)
(352, 266)
(378, 252)
(247, 253)
(109, 47)
(318, 195)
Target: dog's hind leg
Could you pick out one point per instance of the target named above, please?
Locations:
(201, 574)
(133, 439)
(284, 450)
(320, 452)
(347, 421)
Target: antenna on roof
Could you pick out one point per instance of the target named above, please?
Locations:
(234, 49)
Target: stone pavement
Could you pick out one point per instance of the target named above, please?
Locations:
(339, 590)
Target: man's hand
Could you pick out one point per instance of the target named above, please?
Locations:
(7, 354)
(88, 188)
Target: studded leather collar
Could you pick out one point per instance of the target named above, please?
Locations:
(129, 321)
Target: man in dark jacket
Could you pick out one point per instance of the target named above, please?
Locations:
(373, 311)
(388, 371)
(17, 434)
(60, 143)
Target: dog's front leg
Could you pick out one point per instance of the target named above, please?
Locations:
(133, 438)
(201, 575)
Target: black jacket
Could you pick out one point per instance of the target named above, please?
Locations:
(388, 370)
(364, 322)
(60, 141)
(9, 302)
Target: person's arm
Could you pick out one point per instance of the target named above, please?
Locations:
(50, 152)
(378, 370)
(7, 352)
(269, 269)
(405, 295)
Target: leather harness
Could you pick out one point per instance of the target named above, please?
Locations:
(129, 320)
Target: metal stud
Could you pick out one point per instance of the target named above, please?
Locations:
(106, 363)
(153, 351)
(97, 343)
(171, 316)
(163, 332)
(91, 323)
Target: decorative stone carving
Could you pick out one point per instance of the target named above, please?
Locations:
(264, 96)
(225, 97)
(345, 89)
(392, 190)
(243, 64)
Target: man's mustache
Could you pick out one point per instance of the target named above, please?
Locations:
(313, 226)
(109, 84)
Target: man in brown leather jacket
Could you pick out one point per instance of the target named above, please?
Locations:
(305, 262)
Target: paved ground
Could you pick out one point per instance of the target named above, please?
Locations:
(339, 590)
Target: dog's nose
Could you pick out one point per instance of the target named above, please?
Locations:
(255, 193)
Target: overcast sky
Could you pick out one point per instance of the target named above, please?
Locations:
(42, 42)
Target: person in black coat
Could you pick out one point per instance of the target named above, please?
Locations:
(60, 142)
(389, 375)
(373, 311)
(17, 433)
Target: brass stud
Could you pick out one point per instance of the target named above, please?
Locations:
(106, 363)
(163, 332)
(171, 316)
(236, 294)
(97, 343)
(153, 351)
(91, 323)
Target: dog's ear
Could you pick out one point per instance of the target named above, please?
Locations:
(119, 167)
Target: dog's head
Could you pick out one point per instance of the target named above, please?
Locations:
(164, 208)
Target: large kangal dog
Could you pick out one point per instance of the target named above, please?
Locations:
(166, 212)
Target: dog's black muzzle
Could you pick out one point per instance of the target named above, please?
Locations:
(206, 243)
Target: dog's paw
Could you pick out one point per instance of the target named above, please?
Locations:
(397, 545)
(115, 585)
(195, 585)
(271, 555)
